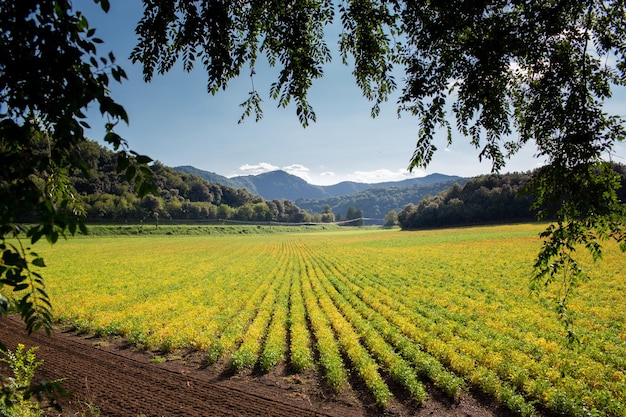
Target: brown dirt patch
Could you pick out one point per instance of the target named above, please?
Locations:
(122, 381)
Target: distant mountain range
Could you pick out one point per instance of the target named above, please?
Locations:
(375, 200)
(280, 184)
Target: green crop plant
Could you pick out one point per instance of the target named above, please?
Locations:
(327, 346)
(276, 341)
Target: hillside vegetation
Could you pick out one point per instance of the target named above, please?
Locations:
(185, 194)
(487, 199)
(378, 201)
(106, 195)
(434, 201)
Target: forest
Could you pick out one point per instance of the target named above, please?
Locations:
(107, 196)
(486, 199)
(378, 201)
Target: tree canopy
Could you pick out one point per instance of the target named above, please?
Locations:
(494, 198)
(50, 71)
(503, 73)
(108, 196)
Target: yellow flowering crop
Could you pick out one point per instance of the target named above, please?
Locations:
(447, 307)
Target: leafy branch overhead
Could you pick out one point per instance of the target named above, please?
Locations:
(50, 75)
(507, 73)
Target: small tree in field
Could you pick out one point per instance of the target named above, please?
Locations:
(327, 214)
(391, 219)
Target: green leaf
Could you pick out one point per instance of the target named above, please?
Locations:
(39, 262)
(145, 172)
(131, 171)
(116, 75)
(52, 237)
(35, 234)
(146, 188)
(122, 162)
(45, 298)
(105, 5)
(72, 227)
(143, 159)
(114, 139)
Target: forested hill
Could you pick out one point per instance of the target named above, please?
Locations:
(280, 184)
(377, 202)
(485, 199)
(107, 195)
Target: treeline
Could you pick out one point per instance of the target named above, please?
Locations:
(106, 195)
(496, 198)
(484, 199)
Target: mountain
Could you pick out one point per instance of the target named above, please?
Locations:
(282, 185)
(270, 185)
(377, 201)
(211, 177)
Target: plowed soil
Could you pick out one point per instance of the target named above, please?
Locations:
(123, 381)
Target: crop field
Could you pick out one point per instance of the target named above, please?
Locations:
(395, 311)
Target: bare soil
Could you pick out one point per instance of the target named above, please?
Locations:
(123, 381)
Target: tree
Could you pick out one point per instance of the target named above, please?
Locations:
(391, 219)
(509, 73)
(327, 214)
(354, 214)
(484, 199)
(224, 212)
(199, 191)
(151, 205)
(50, 72)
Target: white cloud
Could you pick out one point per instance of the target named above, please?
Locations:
(295, 168)
(299, 171)
(383, 175)
(325, 178)
(247, 169)
(262, 167)
(331, 177)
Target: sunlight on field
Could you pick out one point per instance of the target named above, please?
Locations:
(449, 307)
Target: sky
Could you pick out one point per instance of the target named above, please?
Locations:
(174, 120)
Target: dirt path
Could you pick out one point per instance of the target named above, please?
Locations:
(124, 382)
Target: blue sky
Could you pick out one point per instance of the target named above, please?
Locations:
(174, 120)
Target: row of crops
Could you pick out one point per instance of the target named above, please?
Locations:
(394, 310)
